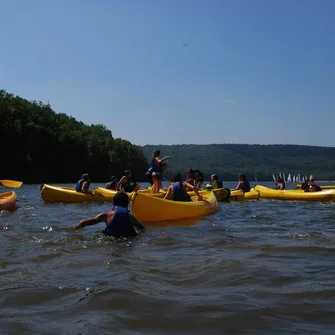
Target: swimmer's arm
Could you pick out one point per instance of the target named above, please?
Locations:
(138, 224)
(91, 221)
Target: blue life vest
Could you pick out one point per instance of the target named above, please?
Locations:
(121, 225)
(219, 183)
(246, 186)
(179, 193)
(79, 185)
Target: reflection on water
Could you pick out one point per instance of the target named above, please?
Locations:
(259, 267)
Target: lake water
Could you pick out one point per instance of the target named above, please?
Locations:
(258, 267)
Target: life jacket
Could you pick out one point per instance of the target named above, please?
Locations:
(120, 225)
(79, 185)
(179, 193)
(111, 185)
(312, 184)
(246, 186)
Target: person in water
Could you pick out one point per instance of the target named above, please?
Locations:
(215, 182)
(125, 184)
(280, 183)
(178, 190)
(112, 184)
(83, 184)
(196, 176)
(158, 165)
(119, 222)
(243, 183)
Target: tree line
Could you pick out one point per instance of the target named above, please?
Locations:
(256, 161)
(39, 146)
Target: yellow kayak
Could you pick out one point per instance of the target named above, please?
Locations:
(324, 187)
(222, 194)
(111, 193)
(151, 209)
(295, 195)
(239, 195)
(7, 201)
(70, 195)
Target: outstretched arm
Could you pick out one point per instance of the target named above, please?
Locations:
(195, 189)
(238, 187)
(137, 224)
(88, 222)
(163, 159)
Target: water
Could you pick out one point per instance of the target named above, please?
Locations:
(263, 267)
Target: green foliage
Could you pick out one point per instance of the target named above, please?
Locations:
(39, 145)
(260, 161)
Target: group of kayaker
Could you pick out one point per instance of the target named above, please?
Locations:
(308, 185)
(125, 184)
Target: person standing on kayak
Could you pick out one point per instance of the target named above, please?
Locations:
(119, 222)
(83, 184)
(125, 184)
(112, 184)
(158, 165)
(177, 190)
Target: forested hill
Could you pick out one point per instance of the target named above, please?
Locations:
(39, 145)
(255, 160)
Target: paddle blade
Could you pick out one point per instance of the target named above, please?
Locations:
(11, 183)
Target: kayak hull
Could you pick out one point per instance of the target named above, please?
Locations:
(111, 193)
(295, 195)
(7, 201)
(221, 194)
(58, 194)
(150, 209)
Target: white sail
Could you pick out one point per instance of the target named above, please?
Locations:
(284, 177)
(311, 177)
(289, 179)
(274, 178)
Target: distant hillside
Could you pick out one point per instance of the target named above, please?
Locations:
(255, 160)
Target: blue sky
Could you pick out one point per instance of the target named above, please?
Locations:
(174, 72)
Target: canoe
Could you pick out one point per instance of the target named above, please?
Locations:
(51, 193)
(295, 195)
(111, 193)
(7, 201)
(252, 195)
(222, 194)
(324, 187)
(237, 195)
(151, 209)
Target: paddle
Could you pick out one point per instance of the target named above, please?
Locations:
(11, 183)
